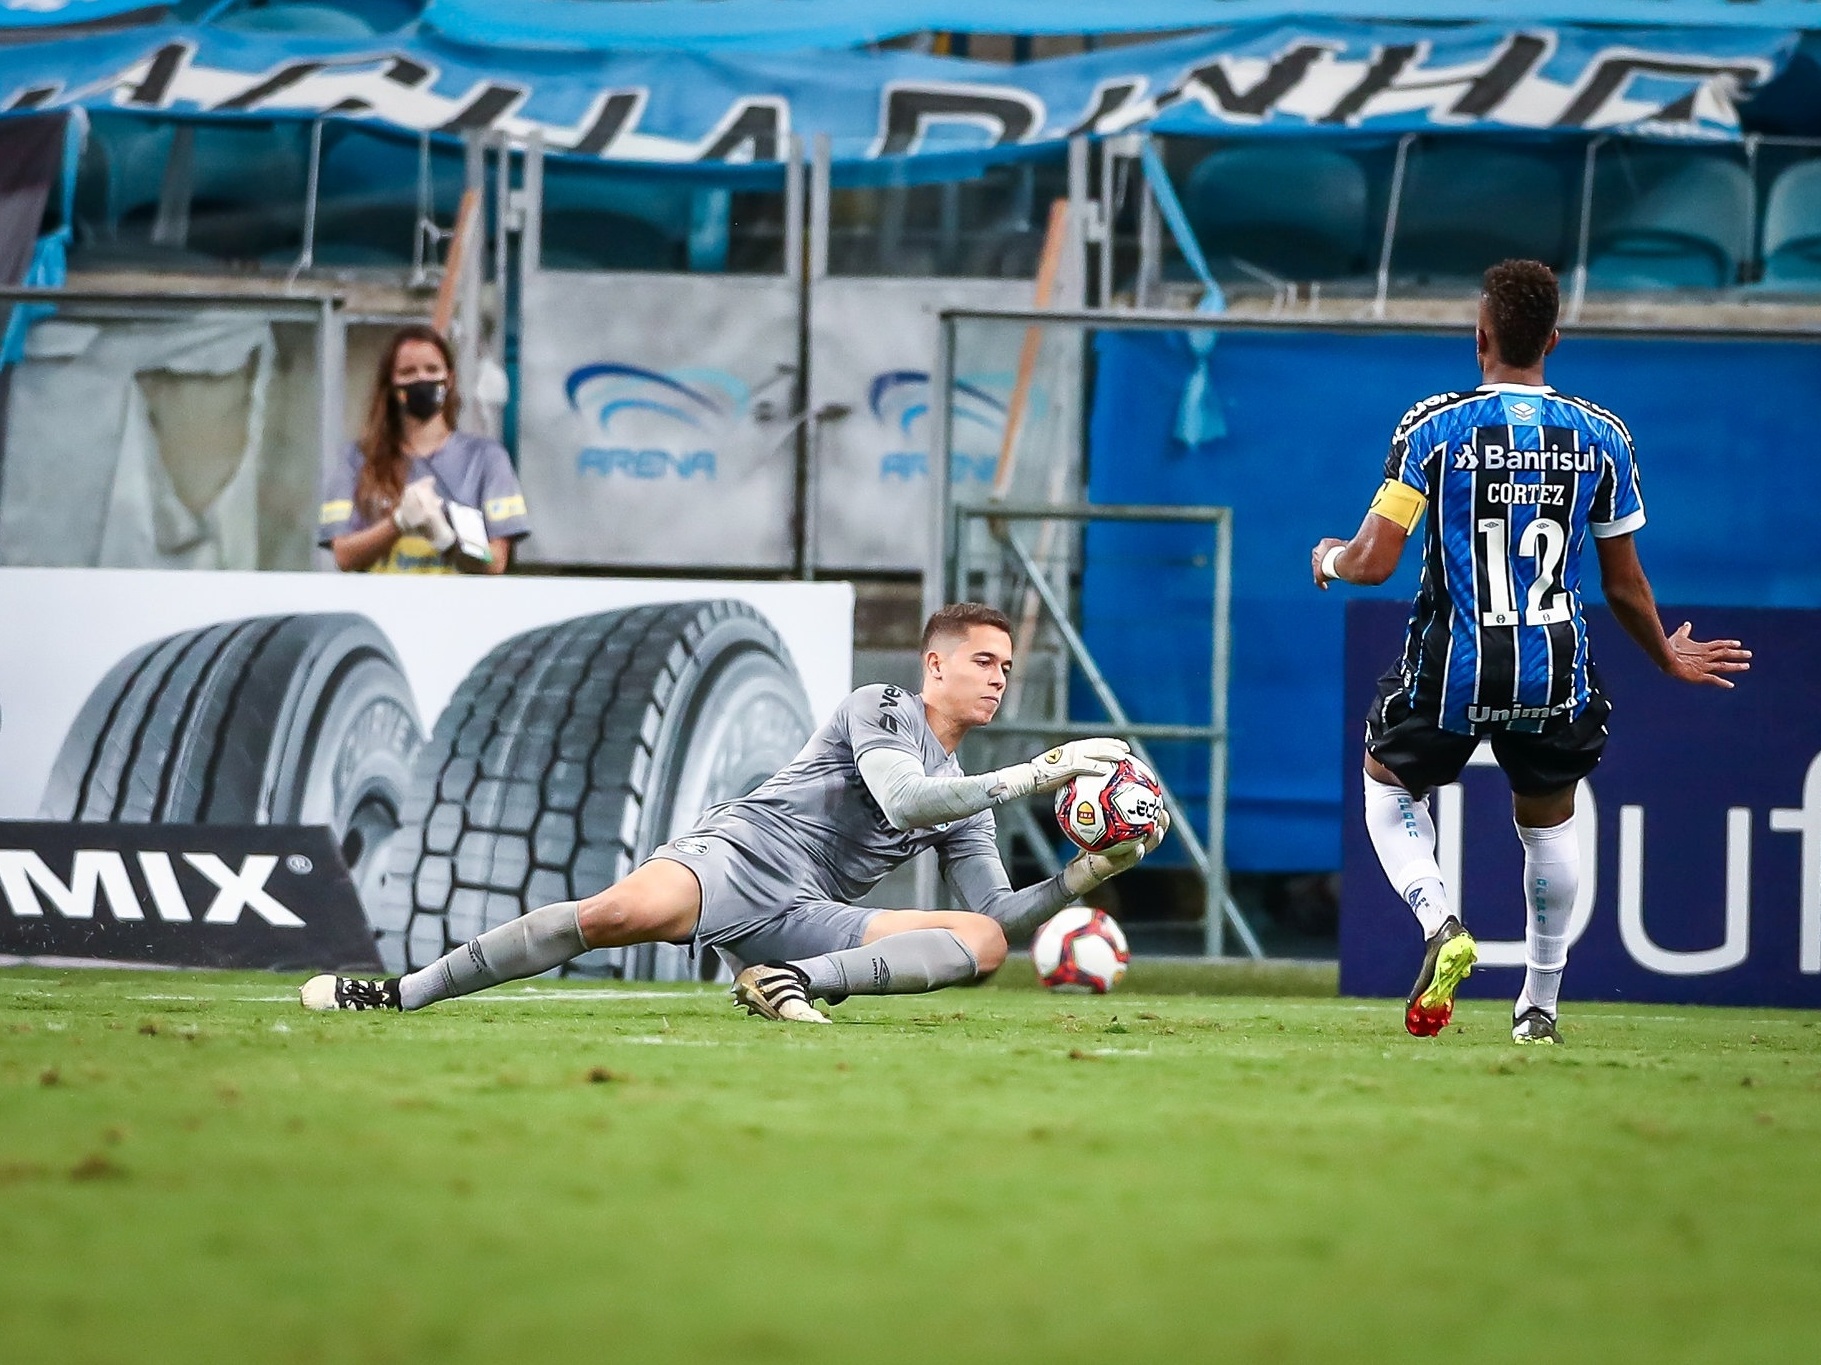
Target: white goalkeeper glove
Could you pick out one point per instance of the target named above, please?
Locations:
(1088, 870)
(1049, 771)
(420, 512)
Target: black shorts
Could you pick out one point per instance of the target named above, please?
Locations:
(1423, 755)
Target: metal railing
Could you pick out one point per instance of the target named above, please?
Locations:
(1151, 244)
(1209, 856)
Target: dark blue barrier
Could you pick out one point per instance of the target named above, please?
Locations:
(1725, 437)
(1704, 818)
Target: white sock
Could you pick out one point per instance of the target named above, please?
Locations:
(1552, 876)
(1403, 836)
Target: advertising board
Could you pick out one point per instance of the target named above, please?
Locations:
(474, 747)
(1700, 831)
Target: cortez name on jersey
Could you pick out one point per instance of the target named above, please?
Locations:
(1513, 476)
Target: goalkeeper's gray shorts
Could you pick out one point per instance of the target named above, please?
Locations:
(752, 912)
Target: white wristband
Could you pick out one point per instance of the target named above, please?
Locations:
(1330, 562)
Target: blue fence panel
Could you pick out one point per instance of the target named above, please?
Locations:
(1724, 437)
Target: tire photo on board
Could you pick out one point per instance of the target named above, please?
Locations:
(569, 754)
(272, 720)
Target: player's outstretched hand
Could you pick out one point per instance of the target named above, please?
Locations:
(1077, 758)
(1705, 661)
(1088, 870)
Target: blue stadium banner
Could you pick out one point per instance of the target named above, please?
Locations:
(1700, 831)
(784, 25)
(678, 108)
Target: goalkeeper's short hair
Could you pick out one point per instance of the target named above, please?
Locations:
(955, 620)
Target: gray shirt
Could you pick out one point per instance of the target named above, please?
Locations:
(469, 469)
(818, 824)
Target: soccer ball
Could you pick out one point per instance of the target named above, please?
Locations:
(1080, 949)
(1098, 812)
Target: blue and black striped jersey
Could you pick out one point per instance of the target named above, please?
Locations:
(1514, 477)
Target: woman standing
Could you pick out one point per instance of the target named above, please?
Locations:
(386, 501)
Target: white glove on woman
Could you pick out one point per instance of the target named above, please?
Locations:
(420, 512)
(416, 505)
(1088, 870)
(1048, 771)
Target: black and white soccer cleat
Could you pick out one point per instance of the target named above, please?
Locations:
(1533, 1026)
(350, 993)
(776, 990)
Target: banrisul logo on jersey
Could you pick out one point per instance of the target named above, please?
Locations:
(193, 895)
(653, 424)
(899, 401)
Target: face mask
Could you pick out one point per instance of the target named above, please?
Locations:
(423, 398)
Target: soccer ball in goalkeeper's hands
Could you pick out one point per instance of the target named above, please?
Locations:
(1080, 949)
(1098, 812)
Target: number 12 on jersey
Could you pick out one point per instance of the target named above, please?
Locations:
(1544, 541)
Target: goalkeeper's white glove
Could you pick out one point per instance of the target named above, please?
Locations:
(1088, 870)
(420, 512)
(1049, 771)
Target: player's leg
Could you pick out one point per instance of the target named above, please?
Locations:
(1544, 771)
(1406, 756)
(823, 950)
(658, 902)
(908, 952)
(1402, 831)
(1552, 877)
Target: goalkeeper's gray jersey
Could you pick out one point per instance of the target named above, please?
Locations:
(817, 824)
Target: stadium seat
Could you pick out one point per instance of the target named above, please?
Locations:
(122, 169)
(1666, 218)
(247, 197)
(1468, 204)
(1792, 229)
(596, 240)
(1297, 212)
(247, 185)
(366, 212)
(595, 220)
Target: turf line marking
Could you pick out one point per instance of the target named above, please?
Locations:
(533, 994)
(656, 1040)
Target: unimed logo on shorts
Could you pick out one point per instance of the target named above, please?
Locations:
(187, 895)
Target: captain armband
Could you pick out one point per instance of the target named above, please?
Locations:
(1399, 502)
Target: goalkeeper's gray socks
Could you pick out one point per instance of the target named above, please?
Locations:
(1552, 877)
(1403, 836)
(898, 964)
(532, 943)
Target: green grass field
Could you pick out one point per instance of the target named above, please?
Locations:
(192, 1169)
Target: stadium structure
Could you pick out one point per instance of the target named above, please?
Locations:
(796, 320)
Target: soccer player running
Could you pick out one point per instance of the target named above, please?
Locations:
(769, 879)
(1515, 475)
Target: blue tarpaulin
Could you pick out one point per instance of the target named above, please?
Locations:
(1722, 431)
(785, 25)
(680, 108)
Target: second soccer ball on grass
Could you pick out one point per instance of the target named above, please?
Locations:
(1080, 949)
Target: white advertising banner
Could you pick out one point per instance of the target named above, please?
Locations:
(655, 420)
(872, 345)
(477, 747)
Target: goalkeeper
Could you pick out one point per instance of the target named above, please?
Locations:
(769, 880)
